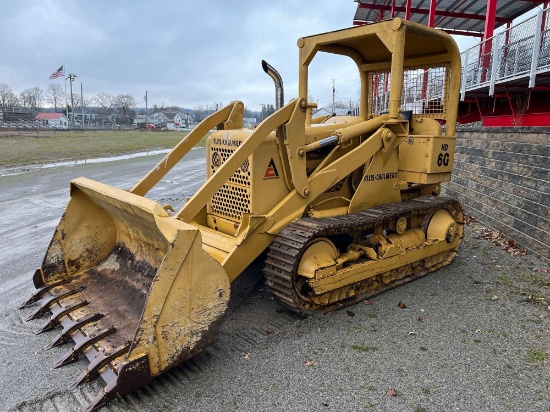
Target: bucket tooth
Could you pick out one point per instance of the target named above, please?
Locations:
(50, 301)
(100, 361)
(36, 296)
(98, 402)
(131, 376)
(59, 312)
(65, 334)
(104, 397)
(81, 346)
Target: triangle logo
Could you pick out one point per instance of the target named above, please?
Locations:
(271, 171)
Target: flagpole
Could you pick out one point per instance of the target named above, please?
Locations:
(82, 106)
(66, 108)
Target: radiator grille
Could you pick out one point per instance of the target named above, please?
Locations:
(233, 198)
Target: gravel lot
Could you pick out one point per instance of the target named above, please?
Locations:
(473, 336)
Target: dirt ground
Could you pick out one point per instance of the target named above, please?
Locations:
(470, 337)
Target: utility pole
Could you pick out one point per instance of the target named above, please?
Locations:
(333, 97)
(66, 103)
(82, 106)
(145, 109)
(71, 77)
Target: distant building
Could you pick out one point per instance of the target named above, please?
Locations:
(170, 123)
(88, 117)
(183, 120)
(55, 120)
(140, 121)
(160, 119)
(249, 122)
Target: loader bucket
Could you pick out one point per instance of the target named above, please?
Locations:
(130, 285)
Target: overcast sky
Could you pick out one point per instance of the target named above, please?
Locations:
(182, 53)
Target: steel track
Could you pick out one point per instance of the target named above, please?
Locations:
(286, 250)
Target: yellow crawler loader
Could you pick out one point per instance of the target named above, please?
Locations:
(346, 207)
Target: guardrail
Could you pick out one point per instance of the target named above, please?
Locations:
(520, 51)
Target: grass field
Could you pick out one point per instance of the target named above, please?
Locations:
(48, 147)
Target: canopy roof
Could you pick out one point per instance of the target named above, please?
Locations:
(367, 42)
(453, 16)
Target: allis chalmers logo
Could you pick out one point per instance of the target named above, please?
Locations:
(271, 171)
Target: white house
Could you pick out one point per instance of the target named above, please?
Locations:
(183, 120)
(55, 120)
(159, 119)
(170, 123)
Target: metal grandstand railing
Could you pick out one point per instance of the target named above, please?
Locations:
(519, 52)
(17, 117)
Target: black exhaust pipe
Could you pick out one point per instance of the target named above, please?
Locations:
(278, 80)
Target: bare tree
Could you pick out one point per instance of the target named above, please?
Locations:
(199, 113)
(83, 101)
(32, 97)
(37, 97)
(106, 101)
(25, 98)
(7, 96)
(55, 94)
(125, 103)
(202, 112)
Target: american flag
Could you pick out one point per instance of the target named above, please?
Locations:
(58, 73)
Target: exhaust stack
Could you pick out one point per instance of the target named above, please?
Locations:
(278, 80)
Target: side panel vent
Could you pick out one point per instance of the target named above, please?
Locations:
(233, 198)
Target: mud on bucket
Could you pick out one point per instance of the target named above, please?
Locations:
(130, 285)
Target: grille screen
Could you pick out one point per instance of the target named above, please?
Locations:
(233, 198)
(425, 91)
